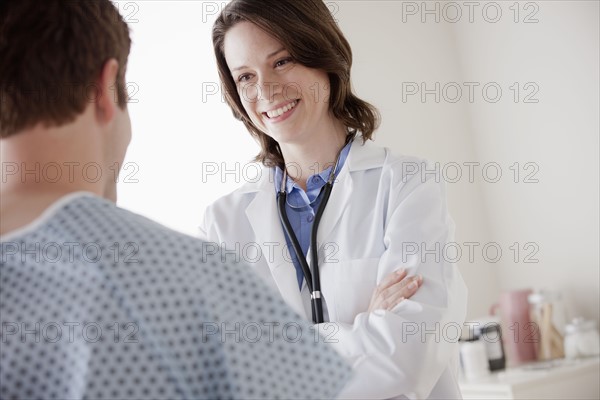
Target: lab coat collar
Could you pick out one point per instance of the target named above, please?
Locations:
(365, 156)
(361, 157)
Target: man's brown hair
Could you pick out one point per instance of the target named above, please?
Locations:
(311, 36)
(51, 56)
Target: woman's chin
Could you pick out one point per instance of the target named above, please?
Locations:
(287, 137)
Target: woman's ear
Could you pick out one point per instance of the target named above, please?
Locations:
(107, 100)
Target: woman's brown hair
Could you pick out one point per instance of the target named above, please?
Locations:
(311, 36)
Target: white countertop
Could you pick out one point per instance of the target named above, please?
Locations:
(574, 379)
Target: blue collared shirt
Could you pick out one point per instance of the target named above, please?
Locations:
(302, 206)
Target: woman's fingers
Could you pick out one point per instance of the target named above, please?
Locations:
(389, 281)
(406, 287)
(392, 279)
(395, 288)
(403, 290)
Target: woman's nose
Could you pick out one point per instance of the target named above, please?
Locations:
(270, 87)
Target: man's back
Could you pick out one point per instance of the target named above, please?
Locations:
(97, 302)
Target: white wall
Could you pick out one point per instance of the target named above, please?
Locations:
(559, 133)
(179, 128)
(553, 125)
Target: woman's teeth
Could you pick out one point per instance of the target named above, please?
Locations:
(280, 111)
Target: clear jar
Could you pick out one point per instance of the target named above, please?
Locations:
(582, 339)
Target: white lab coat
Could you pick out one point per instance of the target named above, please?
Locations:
(382, 215)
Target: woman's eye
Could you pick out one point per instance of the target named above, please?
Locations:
(244, 78)
(283, 62)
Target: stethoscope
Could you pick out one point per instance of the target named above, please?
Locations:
(313, 280)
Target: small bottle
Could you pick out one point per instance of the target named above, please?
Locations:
(491, 336)
(473, 359)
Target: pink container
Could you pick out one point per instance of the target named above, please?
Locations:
(519, 334)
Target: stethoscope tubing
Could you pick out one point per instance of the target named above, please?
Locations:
(313, 280)
(297, 249)
(316, 279)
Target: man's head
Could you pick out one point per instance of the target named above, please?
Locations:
(62, 65)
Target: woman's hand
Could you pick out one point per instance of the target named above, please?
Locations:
(394, 288)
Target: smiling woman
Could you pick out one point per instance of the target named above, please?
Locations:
(274, 58)
(286, 83)
(285, 67)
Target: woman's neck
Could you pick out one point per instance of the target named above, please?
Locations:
(303, 160)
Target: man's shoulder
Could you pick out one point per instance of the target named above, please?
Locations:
(126, 225)
(87, 221)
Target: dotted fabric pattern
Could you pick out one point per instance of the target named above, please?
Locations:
(99, 303)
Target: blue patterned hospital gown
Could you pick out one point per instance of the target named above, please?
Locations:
(99, 303)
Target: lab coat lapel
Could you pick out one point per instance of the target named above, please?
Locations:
(263, 217)
(361, 157)
(338, 201)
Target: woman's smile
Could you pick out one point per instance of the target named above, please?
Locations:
(281, 113)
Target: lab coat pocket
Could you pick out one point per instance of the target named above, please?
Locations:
(355, 282)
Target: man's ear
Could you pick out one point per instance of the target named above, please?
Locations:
(107, 101)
